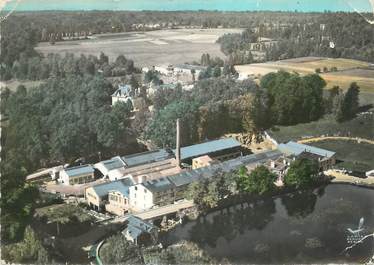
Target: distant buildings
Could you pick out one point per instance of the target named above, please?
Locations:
(183, 73)
(77, 175)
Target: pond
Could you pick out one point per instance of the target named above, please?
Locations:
(304, 227)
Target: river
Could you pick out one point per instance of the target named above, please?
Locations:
(305, 227)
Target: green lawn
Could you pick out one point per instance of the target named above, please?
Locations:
(355, 156)
(362, 127)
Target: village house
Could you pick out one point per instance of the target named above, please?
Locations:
(123, 94)
(77, 175)
(188, 69)
(153, 88)
(98, 196)
(325, 158)
(139, 231)
(118, 201)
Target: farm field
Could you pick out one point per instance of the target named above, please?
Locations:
(354, 156)
(147, 48)
(348, 70)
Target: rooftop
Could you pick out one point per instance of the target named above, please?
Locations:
(113, 163)
(208, 148)
(190, 67)
(293, 148)
(136, 226)
(79, 170)
(204, 159)
(157, 185)
(119, 185)
(147, 157)
(227, 166)
(122, 91)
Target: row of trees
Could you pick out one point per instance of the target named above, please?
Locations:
(53, 65)
(203, 110)
(344, 106)
(63, 23)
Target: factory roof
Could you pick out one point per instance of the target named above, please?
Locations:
(188, 177)
(184, 178)
(293, 148)
(113, 163)
(79, 170)
(147, 157)
(119, 185)
(157, 185)
(122, 91)
(197, 150)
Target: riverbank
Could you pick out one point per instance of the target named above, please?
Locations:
(341, 178)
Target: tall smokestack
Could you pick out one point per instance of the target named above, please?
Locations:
(178, 145)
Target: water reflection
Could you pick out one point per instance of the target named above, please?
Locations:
(304, 227)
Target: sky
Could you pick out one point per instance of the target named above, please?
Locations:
(223, 5)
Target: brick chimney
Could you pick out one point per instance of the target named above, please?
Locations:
(178, 145)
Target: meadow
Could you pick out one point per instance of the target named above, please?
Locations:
(174, 46)
(351, 155)
(348, 70)
(361, 126)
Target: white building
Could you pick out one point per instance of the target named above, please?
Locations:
(113, 169)
(77, 175)
(188, 68)
(145, 195)
(122, 94)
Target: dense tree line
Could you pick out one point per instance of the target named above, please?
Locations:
(63, 119)
(57, 24)
(351, 35)
(203, 110)
(292, 98)
(39, 67)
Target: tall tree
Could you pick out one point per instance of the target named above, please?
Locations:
(258, 181)
(302, 173)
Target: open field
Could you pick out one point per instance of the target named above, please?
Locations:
(355, 156)
(147, 48)
(361, 127)
(348, 70)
